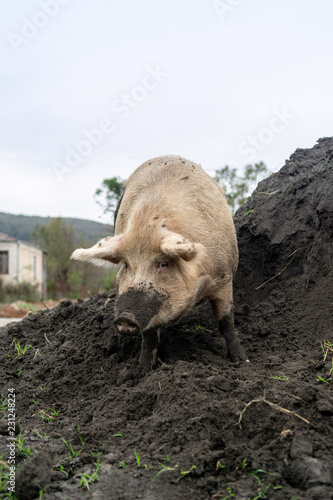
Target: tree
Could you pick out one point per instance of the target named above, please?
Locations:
(58, 238)
(66, 277)
(85, 279)
(239, 187)
(111, 190)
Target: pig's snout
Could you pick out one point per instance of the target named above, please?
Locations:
(135, 309)
(127, 323)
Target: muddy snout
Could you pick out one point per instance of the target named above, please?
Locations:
(135, 309)
(126, 323)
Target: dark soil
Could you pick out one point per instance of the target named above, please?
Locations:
(215, 429)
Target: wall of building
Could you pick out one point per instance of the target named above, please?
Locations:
(31, 265)
(30, 262)
(11, 248)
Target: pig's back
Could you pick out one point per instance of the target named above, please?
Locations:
(189, 201)
(159, 170)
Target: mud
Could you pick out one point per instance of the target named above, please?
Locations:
(198, 426)
(143, 303)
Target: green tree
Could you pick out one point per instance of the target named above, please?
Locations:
(238, 187)
(109, 192)
(66, 277)
(58, 238)
(85, 279)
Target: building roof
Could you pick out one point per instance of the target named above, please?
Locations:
(10, 239)
(6, 237)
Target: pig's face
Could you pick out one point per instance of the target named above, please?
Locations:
(151, 290)
(158, 276)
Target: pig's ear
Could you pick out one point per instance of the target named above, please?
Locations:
(174, 245)
(104, 254)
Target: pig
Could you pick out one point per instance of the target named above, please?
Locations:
(175, 244)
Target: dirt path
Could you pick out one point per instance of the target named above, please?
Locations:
(198, 427)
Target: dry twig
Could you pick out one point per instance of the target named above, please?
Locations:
(269, 194)
(280, 272)
(272, 405)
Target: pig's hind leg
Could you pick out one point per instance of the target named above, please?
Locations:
(224, 314)
(228, 332)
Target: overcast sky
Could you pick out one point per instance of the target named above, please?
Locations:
(92, 89)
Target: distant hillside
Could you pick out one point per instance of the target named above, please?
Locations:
(21, 226)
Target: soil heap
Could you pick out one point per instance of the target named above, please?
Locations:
(197, 427)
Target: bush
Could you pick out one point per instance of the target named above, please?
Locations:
(11, 292)
(109, 280)
(51, 287)
(237, 187)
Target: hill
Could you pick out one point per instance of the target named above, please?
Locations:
(21, 226)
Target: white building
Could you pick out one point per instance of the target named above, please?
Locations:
(22, 261)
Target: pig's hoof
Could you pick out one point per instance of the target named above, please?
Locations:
(237, 354)
(147, 367)
(144, 370)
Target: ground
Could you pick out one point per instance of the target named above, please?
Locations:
(21, 308)
(199, 426)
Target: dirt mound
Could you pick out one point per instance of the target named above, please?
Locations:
(197, 427)
(285, 235)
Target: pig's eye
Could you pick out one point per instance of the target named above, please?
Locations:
(125, 266)
(162, 266)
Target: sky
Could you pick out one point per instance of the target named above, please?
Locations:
(92, 89)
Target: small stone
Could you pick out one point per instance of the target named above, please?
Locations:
(320, 493)
(325, 407)
(308, 471)
(105, 470)
(32, 475)
(300, 447)
(111, 458)
(57, 475)
(3, 427)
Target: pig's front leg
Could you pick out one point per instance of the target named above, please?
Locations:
(149, 346)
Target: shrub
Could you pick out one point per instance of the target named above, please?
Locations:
(10, 292)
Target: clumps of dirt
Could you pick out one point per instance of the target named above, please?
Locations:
(197, 427)
(144, 304)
